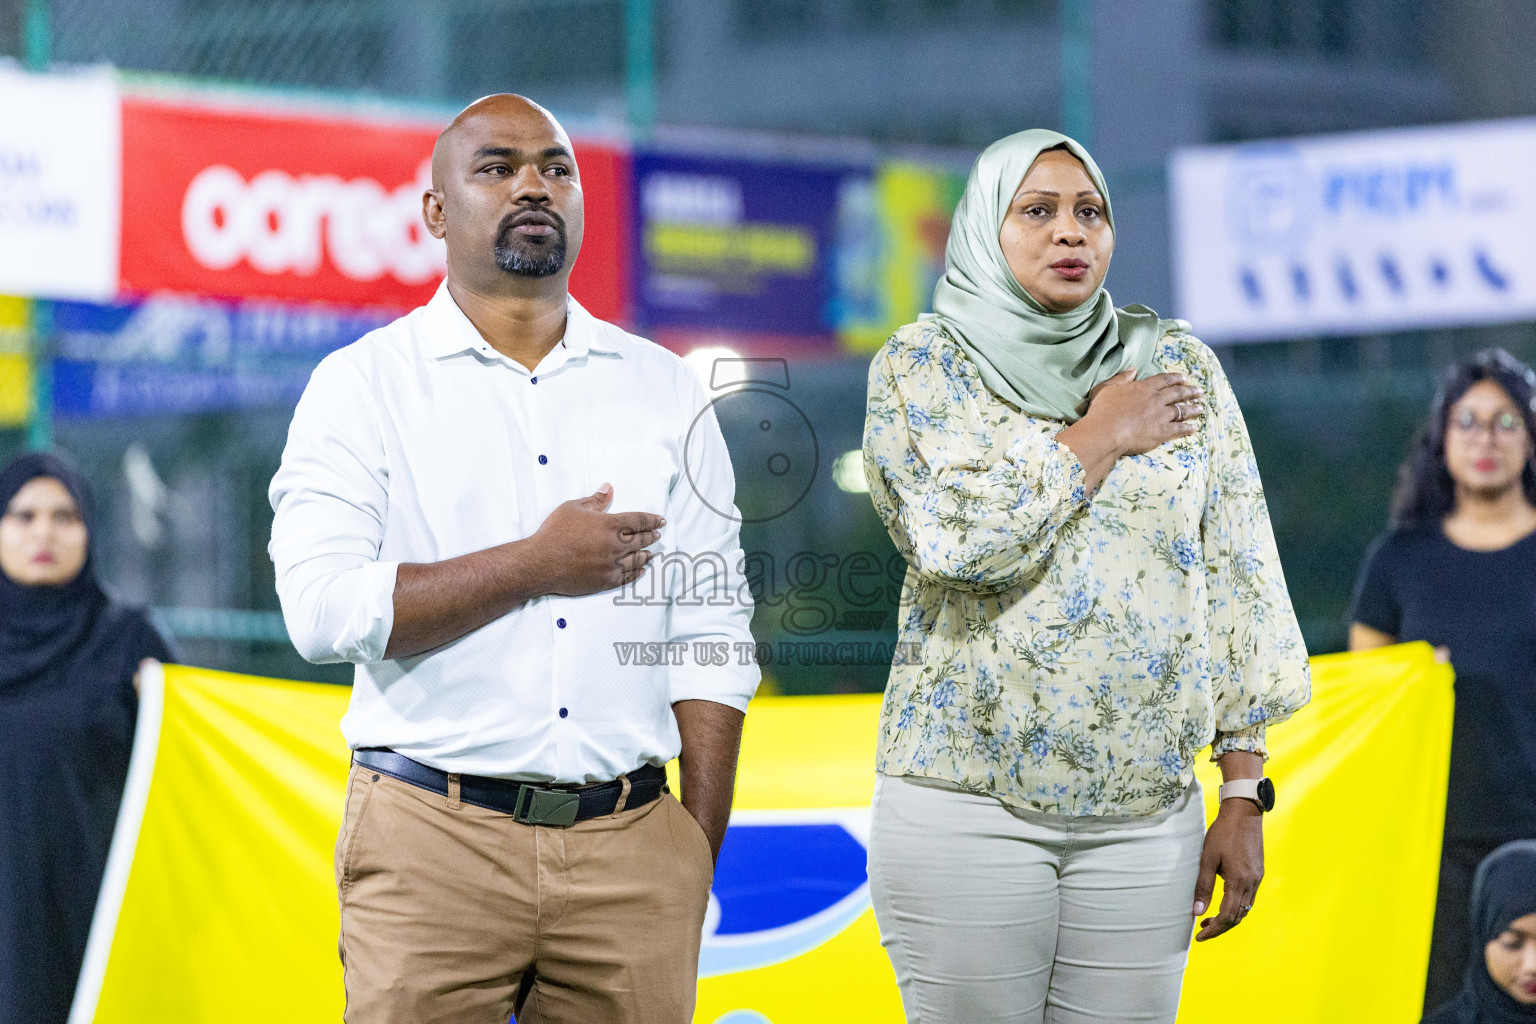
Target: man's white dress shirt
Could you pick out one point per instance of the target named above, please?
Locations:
(420, 442)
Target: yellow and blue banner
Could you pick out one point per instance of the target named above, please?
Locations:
(911, 208)
(219, 901)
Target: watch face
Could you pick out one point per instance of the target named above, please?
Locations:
(1267, 794)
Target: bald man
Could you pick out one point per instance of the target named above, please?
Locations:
(484, 507)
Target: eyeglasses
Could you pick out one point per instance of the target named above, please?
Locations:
(1505, 426)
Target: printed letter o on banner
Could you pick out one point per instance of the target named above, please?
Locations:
(214, 218)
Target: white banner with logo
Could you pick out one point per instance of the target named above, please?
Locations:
(1346, 234)
(59, 185)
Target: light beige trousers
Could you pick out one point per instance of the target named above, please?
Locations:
(454, 914)
(996, 915)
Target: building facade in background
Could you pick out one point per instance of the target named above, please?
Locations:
(875, 106)
(953, 73)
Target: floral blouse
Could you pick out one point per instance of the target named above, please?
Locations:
(1063, 651)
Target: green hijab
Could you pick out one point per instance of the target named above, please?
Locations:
(1045, 363)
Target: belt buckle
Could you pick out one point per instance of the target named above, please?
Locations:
(536, 806)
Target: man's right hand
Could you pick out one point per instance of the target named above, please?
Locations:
(579, 549)
(584, 549)
(1142, 414)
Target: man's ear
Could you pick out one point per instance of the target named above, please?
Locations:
(432, 213)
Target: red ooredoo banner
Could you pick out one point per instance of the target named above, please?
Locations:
(243, 203)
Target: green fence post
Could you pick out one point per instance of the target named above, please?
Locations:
(640, 66)
(1076, 73)
(37, 47)
(37, 35)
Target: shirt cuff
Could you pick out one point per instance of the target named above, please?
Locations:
(344, 616)
(1250, 739)
(375, 615)
(731, 685)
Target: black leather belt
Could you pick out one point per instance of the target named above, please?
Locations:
(531, 803)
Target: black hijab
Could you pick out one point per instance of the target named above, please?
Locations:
(1503, 891)
(42, 627)
(67, 713)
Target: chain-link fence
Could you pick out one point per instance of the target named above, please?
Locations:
(186, 517)
(1391, 32)
(430, 50)
(185, 514)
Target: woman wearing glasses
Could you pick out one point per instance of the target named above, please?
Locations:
(1458, 569)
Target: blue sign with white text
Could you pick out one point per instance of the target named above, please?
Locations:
(739, 245)
(1424, 227)
(172, 355)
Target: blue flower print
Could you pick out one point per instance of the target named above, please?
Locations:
(1076, 604)
(1074, 647)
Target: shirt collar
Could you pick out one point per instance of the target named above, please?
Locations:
(449, 332)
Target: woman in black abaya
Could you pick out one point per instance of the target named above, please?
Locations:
(1500, 982)
(68, 658)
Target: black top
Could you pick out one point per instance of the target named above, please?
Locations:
(1482, 606)
(1503, 891)
(67, 710)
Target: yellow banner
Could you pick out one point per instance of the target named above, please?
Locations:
(219, 902)
(15, 360)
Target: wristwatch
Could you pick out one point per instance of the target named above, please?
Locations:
(1260, 791)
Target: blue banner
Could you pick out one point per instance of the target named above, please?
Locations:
(167, 355)
(737, 245)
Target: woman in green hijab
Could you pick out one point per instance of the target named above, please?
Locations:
(1094, 596)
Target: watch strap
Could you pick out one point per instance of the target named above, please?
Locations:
(1244, 789)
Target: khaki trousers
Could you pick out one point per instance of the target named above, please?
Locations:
(454, 914)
